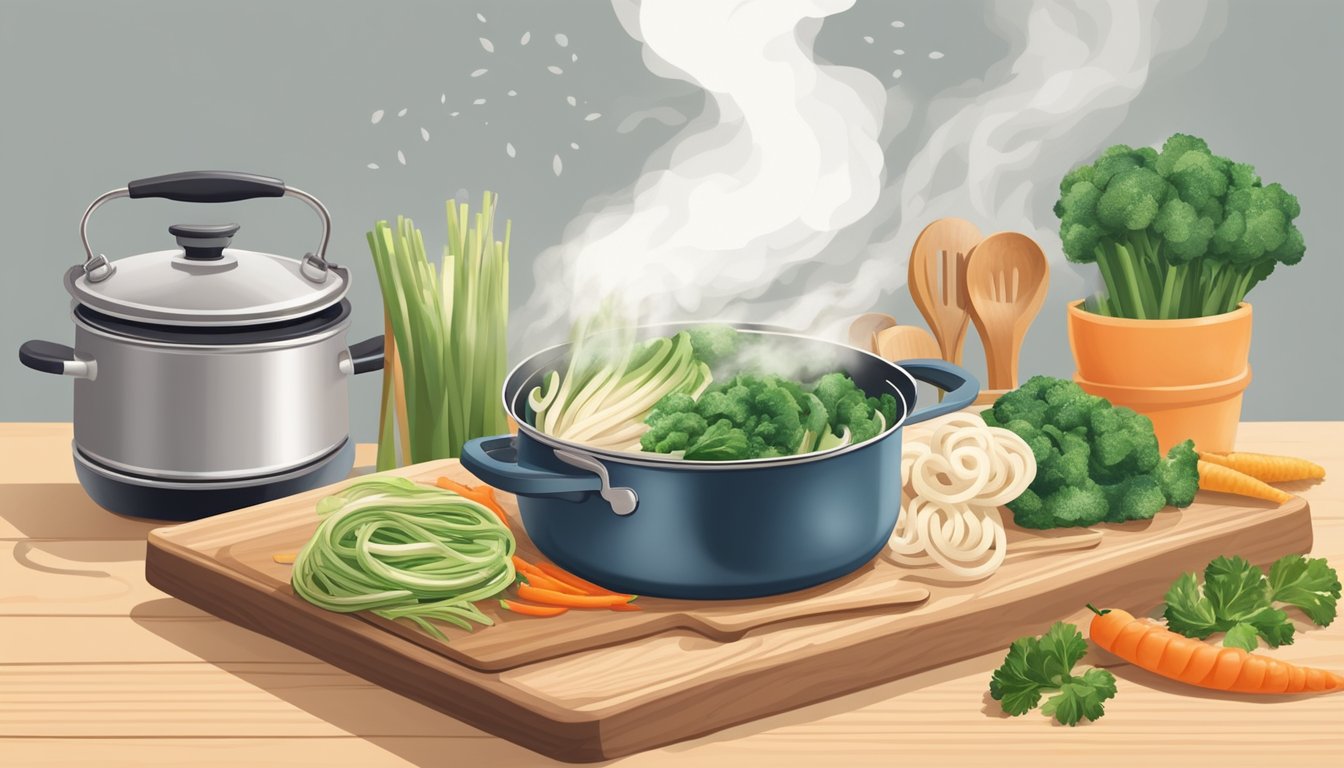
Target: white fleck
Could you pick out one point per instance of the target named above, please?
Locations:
(898, 24)
(443, 98)
(403, 112)
(376, 117)
(868, 39)
(899, 52)
(554, 70)
(572, 145)
(478, 102)
(556, 165)
(935, 54)
(591, 116)
(509, 150)
(424, 134)
(512, 92)
(896, 74)
(561, 40)
(372, 166)
(401, 157)
(454, 114)
(487, 45)
(479, 72)
(573, 102)
(573, 57)
(480, 18)
(526, 38)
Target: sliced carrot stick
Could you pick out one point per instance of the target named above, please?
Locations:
(527, 609)
(1268, 468)
(625, 607)
(285, 558)
(560, 574)
(1157, 649)
(1216, 477)
(542, 581)
(551, 597)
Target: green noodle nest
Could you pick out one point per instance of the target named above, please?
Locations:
(405, 550)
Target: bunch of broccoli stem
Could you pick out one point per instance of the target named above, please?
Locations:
(1142, 283)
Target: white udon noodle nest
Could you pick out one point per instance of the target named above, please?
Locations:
(951, 489)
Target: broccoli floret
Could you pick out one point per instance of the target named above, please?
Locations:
(673, 425)
(1094, 462)
(1180, 233)
(1179, 474)
(714, 343)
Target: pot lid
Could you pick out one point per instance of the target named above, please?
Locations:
(206, 282)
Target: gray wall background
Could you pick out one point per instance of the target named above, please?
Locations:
(97, 93)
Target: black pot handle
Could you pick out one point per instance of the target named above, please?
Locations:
(50, 357)
(367, 355)
(207, 186)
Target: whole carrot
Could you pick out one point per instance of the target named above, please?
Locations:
(1267, 468)
(1216, 477)
(1186, 660)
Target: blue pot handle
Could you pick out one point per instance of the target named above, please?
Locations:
(494, 461)
(960, 386)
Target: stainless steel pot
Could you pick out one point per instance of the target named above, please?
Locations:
(208, 377)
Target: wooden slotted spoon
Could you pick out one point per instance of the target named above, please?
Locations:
(863, 331)
(905, 342)
(1006, 281)
(937, 268)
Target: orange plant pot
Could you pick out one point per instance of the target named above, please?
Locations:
(1188, 375)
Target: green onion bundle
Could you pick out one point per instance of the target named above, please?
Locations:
(449, 329)
(405, 550)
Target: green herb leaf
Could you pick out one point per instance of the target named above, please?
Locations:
(1034, 666)
(1081, 700)
(1243, 636)
(1273, 625)
(1019, 681)
(1188, 611)
(1062, 646)
(1236, 589)
(1309, 584)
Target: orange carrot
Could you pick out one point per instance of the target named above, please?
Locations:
(1159, 650)
(527, 609)
(551, 597)
(560, 574)
(1267, 468)
(625, 607)
(542, 581)
(481, 494)
(1216, 477)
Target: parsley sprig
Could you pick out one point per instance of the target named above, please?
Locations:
(1239, 600)
(1036, 665)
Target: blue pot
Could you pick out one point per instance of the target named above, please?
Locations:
(653, 525)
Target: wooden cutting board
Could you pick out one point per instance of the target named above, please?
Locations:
(593, 685)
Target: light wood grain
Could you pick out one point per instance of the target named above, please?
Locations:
(936, 716)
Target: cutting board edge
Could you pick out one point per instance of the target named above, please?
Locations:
(566, 735)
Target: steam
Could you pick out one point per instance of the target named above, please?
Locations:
(997, 158)
(773, 206)
(786, 156)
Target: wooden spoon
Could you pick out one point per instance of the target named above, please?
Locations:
(863, 331)
(937, 266)
(1006, 281)
(906, 342)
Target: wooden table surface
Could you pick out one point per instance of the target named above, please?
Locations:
(99, 668)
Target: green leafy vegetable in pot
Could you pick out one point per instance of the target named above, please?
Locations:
(1095, 462)
(661, 397)
(1177, 233)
